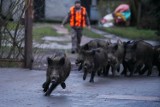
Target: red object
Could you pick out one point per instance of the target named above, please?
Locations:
(78, 18)
(122, 8)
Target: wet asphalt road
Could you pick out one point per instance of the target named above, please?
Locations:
(22, 88)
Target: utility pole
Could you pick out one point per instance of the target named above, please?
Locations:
(28, 33)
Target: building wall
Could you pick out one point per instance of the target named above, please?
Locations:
(11, 11)
(57, 9)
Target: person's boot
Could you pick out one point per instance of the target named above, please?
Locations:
(73, 51)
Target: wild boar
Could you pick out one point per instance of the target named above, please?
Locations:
(115, 56)
(127, 65)
(139, 53)
(94, 60)
(93, 44)
(96, 43)
(58, 70)
(156, 59)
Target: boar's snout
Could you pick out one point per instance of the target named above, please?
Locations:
(128, 57)
(87, 66)
(54, 82)
(54, 78)
(78, 61)
(110, 58)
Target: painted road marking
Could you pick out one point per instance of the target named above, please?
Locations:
(130, 97)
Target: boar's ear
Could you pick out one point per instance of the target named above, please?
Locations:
(62, 61)
(109, 42)
(86, 47)
(134, 46)
(93, 52)
(125, 44)
(119, 41)
(89, 53)
(116, 47)
(129, 42)
(50, 61)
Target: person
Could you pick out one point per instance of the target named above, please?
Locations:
(78, 19)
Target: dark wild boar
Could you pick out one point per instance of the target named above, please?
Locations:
(93, 44)
(156, 59)
(58, 70)
(139, 53)
(94, 60)
(115, 56)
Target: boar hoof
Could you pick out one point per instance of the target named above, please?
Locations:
(91, 81)
(63, 85)
(122, 73)
(45, 89)
(113, 75)
(84, 78)
(131, 75)
(148, 74)
(44, 85)
(99, 73)
(47, 94)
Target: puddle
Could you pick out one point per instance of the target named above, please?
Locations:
(60, 29)
(52, 46)
(58, 39)
(60, 42)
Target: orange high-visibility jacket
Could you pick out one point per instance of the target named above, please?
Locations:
(78, 18)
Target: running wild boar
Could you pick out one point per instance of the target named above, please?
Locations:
(115, 56)
(139, 53)
(59, 67)
(94, 60)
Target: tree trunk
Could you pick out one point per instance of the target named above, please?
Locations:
(1, 23)
(139, 14)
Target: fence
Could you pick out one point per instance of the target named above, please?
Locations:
(15, 26)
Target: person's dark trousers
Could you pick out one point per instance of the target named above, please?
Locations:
(76, 34)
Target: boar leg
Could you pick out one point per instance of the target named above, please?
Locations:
(105, 72)
(85, 74)
(143, 71)
(46, 85)
(149, 66)
(99, 72)
(158, 66)
(113, 70)
(63, 85)
(124, 72)
(92, 76)
(80, 67)
(117, 67)
(136, 67)
(52, 87)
